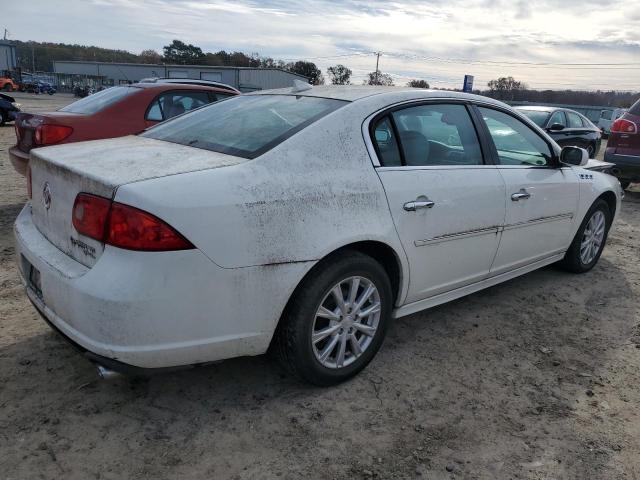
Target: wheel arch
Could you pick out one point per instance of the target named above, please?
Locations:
(611, 200)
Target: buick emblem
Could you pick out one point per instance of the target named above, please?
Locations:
(46, 195)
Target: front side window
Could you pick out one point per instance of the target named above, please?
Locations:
(558, 118)
(515, 142)
(100, 100)
(574, 120)
(245, 126)
(438, 134)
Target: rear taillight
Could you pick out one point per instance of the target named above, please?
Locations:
(623, 126)
(29, 191)
(50, 134)
(124, 226)
(90, 215)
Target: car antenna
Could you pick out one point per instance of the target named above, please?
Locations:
(300, 86)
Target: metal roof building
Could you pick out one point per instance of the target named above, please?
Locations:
(7, 55)
(245, 79)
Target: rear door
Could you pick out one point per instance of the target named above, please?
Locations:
(541, 197)
(446, 203)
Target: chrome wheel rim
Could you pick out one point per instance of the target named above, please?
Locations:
(592, 237)
(346, 322)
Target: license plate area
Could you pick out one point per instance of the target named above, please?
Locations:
(32, 275)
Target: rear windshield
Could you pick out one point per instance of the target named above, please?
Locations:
(635, 108)
(245, 126)
(538, 117)
(99, 101)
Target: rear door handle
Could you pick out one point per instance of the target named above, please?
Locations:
(521, 195)
(418, 204)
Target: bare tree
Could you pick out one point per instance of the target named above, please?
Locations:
(339, 75)
(417, 84)
(378, 78)
(504, 88)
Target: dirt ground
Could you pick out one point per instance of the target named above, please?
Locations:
(537, 378)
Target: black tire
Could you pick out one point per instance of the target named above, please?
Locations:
(572, 261)
(625, 184)
(293, 345)
(3, 118)
(8, 87)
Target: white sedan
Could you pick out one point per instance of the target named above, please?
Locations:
(300, 220)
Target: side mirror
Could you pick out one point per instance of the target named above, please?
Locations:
(556, 127)
(576, 156)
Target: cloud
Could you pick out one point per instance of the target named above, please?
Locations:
(438, 40)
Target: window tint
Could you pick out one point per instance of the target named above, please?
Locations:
(635, 108)
(386, 143)
(606, 114)
(172, 104)
(221, 96)
(99, 101)
(437, 135)
(246, 126)
(537, 116)
(574, 120)
(515, 142)
(558, 117)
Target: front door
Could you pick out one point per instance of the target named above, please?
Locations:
(447, 205)
(541, 198)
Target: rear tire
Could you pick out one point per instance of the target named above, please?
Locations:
(325, 341)
(8, 87)
(587, 245)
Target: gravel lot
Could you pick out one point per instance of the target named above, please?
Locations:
(536, 378)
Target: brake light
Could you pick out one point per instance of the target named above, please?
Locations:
(90, 214)
(29, 190)
(623, 126)
(50, 134)
(124, 226)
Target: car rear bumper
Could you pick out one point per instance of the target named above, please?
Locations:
(627, 167)
(19, 160)
(144, 310)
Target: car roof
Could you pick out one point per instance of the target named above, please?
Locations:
(352, 93)
(537, 108)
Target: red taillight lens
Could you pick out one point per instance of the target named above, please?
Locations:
(50, 134)
(624, 126)
(90, 215)
(29, 190)
(124, 226)
(134, 229)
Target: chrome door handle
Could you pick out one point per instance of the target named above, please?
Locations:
(521, 195)
(417, 204)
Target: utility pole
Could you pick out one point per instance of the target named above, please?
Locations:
(377, 63)
(5, 33)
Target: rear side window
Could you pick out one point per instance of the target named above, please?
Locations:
(386, 143)
(438, 134)
(99, 101)
(245, 126)
(538, 117)
(172, 104)
(516, 143)
(574, 120)
(635, 108)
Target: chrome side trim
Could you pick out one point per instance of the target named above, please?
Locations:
(537, 221)
(456, 236)
(490, 230)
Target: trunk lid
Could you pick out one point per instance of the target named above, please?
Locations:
(60, 173)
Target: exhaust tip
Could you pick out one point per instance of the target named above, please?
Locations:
(105, 373)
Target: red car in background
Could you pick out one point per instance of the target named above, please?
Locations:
(114, 112)
(623, 146)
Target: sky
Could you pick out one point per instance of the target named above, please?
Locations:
(555, 44)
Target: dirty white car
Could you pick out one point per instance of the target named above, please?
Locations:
(303, 220)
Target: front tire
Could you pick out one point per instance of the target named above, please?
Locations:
(587, 245)
(336, 320)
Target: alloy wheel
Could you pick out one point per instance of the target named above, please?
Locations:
(346, 322)
(592, 237)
